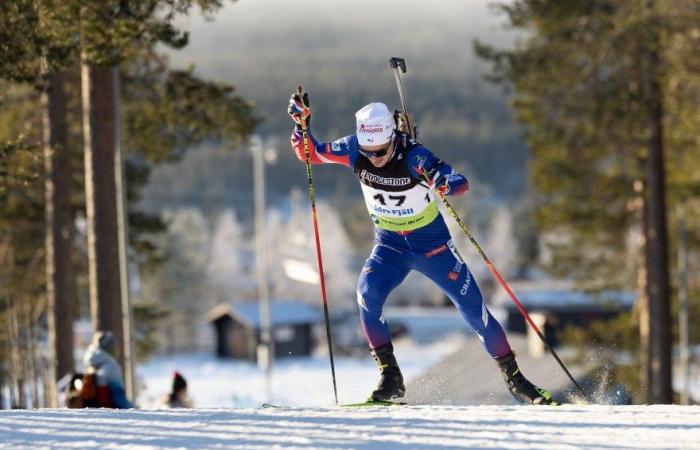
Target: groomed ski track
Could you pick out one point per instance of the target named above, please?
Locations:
(402, 427)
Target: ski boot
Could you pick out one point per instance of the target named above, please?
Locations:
(391, 383)
(520, 388)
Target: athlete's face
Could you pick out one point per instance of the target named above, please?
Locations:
(379, 154)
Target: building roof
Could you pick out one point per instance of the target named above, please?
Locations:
(559, 298)
(283, 312)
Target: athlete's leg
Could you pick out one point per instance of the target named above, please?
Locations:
(436, 257)
(386, 268)
(446, 268)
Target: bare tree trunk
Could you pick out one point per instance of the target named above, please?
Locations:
(60, 281)
(12, 351)
(21, 394)
(683, 323)
(47, 383)
(642, 304)
(5, 303)
(657, 235)
(16, 390)
(32, 307)
(101, 202)
(30, 353)
(17, 351)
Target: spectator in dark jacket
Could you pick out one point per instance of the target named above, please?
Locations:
(178, 398)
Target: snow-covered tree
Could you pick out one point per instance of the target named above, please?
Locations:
(180, 283)
(293, 264)
(230, 269)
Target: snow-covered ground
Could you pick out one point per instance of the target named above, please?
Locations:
(434, 427)
(298, 381)
(305, 381)
(229, 397)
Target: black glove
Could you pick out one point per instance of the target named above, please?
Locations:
(299, 109)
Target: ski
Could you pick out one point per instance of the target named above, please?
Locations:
(367, 404)
(371, 403)
(271, 406)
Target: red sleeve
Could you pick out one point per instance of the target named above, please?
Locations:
(319, 153)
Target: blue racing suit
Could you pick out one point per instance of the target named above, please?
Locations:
(410, 234)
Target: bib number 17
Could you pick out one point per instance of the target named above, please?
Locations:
(397, 199)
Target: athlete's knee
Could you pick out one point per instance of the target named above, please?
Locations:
(369, 297)
(482, 319)
(476, 314)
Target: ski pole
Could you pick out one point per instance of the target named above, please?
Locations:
(505, 286)
(312, 198)
(395, 63)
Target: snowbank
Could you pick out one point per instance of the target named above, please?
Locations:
(434, 427)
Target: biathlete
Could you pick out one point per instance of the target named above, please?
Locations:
(410, 235)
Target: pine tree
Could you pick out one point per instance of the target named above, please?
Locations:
(594, 84)
(41, 40)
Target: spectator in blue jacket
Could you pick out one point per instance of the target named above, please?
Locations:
(110, 383)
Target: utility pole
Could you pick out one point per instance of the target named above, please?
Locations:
(123, 238)
(266, 346)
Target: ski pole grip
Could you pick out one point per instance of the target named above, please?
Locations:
(395, 62)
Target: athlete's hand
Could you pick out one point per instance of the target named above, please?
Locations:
(434, 178)
(299, 109)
